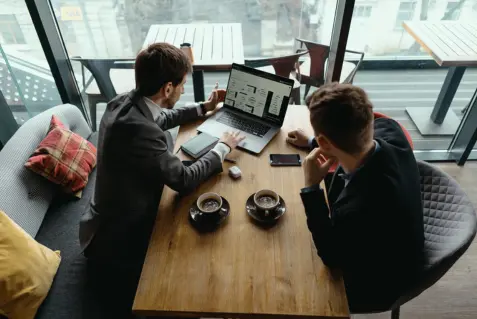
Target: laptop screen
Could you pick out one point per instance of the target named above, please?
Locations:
(258, 93)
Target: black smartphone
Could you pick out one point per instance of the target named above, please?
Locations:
(285, 160)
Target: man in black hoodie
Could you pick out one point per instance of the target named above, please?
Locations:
(373, 227)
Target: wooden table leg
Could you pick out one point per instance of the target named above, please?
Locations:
(198, 83)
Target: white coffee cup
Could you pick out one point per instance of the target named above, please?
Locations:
(203, 200)
(266, 208)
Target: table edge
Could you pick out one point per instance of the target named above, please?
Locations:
(421, 43)
(206, 314)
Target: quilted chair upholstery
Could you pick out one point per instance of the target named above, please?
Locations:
(450, 225)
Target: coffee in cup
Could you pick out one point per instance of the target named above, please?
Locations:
(266, 200)
(209, 203)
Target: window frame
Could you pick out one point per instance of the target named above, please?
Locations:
(359, 11)
(410, 12)
(13, 28)
(456, 14)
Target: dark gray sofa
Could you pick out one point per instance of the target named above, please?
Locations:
(52, 218)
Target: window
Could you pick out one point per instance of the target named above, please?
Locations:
(452, 11)
(10, 31)
(362, 11)
(432, 4)
(405, 13)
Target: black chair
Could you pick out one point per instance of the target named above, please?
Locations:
(450, 225)
(100, 69)
(313, 69)
(286, 66)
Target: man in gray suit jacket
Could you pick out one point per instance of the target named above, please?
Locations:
(135, 158)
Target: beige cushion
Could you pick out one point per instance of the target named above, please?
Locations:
(27, 269)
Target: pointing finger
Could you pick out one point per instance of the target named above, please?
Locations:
(328, 163)
(314, 154)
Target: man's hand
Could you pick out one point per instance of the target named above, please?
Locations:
(315, 167)
(213, 100)
(232, 139)
(298, 138)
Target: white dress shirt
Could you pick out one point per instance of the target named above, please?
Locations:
(221, 149)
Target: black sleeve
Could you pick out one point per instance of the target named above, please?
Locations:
(333, 240)
(390, 131)
(314, 144)
(320, 226)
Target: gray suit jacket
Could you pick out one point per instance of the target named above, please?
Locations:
(135, 161)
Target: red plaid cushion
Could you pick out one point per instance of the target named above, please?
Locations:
(64, 158)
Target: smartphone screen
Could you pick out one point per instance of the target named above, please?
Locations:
(285, 160)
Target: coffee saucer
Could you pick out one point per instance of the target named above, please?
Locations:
(253, 211)
(203, 221)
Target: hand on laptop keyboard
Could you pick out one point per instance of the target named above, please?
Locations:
(232, 139)
(242, 124)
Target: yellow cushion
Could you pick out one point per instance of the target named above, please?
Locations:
(27, 269)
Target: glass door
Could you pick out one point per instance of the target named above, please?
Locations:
(26, 82)
(114, 31)
(413, 69)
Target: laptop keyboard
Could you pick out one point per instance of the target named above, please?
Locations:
(242, 124)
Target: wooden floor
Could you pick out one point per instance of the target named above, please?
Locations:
(455, 295)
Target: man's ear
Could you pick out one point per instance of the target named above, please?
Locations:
(168, 89)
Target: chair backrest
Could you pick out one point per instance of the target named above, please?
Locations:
(318, 54)
(100, 69)
(450, 225)
(283, 65)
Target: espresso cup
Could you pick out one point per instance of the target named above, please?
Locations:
(187, 49)
(209, 203)
(267, 205)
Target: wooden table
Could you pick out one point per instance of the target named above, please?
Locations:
(215, 46)
(240, 270)
(452, 44)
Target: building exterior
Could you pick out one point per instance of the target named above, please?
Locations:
(377, 30)
(117, 28)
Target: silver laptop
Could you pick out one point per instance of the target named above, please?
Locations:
(255, 104)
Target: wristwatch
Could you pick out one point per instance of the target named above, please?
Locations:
(202, 108)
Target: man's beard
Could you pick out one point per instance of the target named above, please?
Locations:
(170, 102)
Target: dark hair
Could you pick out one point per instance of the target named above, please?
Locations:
(344, 114)
(158, 64)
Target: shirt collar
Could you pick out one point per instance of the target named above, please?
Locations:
(349, 176)
(153, 107)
